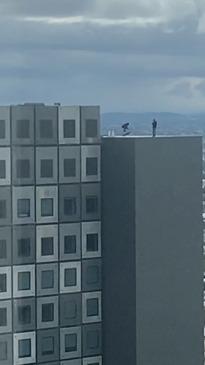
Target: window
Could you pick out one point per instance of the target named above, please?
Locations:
(46, 207)
(93, 274)
(70, 206)
(92, 307)
(47, 246)
(46, 128)
(91, 128)
(91, 204)
(91, 166)
(47, 168)
(2, 209)
(71, 342)
(70, 244)
(3, 249)
(24, 280)
(92, 242)
(2, 169)
(2, 129)
(24, 348)
(24, 314)
(23, 208)
(47, 312)
(47, 345)
(70, 277)
(69, 167)
(3, 283)
(3, 317)
(70, 310)
(22, 168)
(22, 128)
(3, 350)
(93, 340)
(69, 128)
(24, 247)
(47, 279)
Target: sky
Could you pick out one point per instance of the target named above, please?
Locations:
(124, 55)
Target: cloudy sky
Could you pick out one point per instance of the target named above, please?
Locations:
(126, 55)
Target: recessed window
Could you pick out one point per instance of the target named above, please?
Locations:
(46, 128)
(3, 283)
(47, 312)
(92, 307)
(93, 275)
(22, 168)
(47, 345)
(70, 244)
(70, 277)
(47, 207)
(69, 128)
(24, 280)
(3, 249)
(91, 204)
(91, 166)
(22, 128)
(91, 129)
(3, 350)
(47, 279)
(2, 209)
(47, 246)
(23, 208)
(2, 169)
(93, 341)
(24, 314)
(24, 348)
(3, 317)
(47, 168)
(70, 206)
(71, 342)
(69, 167)
(2, 129)
(92, 242)
(24, 247)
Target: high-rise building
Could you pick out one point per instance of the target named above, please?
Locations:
(50, 235)
(152, 251)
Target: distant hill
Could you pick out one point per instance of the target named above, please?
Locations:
(168, 123)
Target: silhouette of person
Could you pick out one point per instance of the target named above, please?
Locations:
(154, 128)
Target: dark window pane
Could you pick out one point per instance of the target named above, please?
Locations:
(69, 167)
(71, 342)
(3, 284)
(22, 168)
(92, 242)
(24, 247)
(70, 310)
(2, 209)
(23, 208)
(93, 340)
(47, 347)
(92, 307)
(70, 277)
(22, 128)
(3, 249)
(91, 204)
(24, 314)
(3, 350)
(3, 317)
(46, 207)
(47, 279)
(70, 207)
(70, 244)
(47, 246)
(46, 128)
(69, 128)
(47, 168)
(2, 129)
(92, 274)
(2, 169)
(91, 128)
(24, 347)
(24, 280)
(47, 312)
(91, 166)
